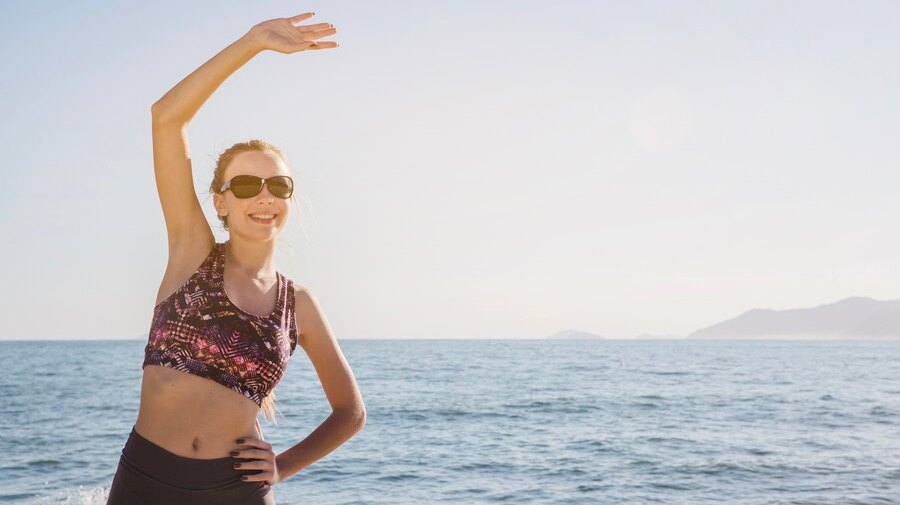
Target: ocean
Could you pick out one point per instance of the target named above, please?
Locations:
(507, 421)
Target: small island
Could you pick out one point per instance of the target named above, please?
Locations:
(573, 334)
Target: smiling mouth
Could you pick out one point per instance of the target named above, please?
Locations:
(267, 219)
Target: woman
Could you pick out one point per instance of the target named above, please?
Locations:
(226, 322)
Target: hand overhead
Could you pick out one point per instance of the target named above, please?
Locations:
(281, 35)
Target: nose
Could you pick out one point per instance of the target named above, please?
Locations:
(266, 194)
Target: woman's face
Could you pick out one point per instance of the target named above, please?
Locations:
(261, 164)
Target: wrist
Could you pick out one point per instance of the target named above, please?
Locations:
(252, 42)
(280, 466)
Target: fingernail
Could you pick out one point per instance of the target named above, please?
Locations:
(234, 453)
(244, 478)
(240, 440)
(237, 465)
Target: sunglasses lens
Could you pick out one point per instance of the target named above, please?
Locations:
(281, 186)
(246, 186)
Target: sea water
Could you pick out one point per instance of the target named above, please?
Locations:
(507, 421)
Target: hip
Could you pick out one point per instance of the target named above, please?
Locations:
(149, 474)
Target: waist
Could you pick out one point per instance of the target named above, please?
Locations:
(201, 479)
(192, 416)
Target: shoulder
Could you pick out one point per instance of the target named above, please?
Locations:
(307, 312)
(305, 303)
(303, 297)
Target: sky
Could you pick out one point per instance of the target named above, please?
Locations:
(468, 169)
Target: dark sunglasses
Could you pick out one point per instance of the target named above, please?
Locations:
(248, 186)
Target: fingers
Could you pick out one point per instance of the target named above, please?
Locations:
(252, 453)
(301, 17)
(264, 472)
(261, 456)
(256, 464)
(318, 34)
(311, 37)
(266, 465)
(322, 45)
(253, 442)
(312, 28)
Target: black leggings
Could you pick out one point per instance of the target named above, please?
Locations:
(149, 475)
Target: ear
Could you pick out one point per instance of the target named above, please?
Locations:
(219, 203)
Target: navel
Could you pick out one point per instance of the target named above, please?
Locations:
(196, 443)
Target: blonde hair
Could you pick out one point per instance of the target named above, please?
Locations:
(269, 406)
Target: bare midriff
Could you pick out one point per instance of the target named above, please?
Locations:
(192, 416)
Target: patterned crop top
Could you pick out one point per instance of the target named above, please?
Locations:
(198, 330)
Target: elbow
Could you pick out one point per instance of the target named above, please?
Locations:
(158, 117)
(163, 115)
(156, 111)
(361, 419)
(355, 416)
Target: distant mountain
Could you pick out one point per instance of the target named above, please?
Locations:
(852, 318)
(649, 336)
(572, 334)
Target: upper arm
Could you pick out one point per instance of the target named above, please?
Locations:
(317, 339)
(185, 221)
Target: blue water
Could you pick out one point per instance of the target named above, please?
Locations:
(528, 421)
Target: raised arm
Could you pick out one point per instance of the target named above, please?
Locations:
(186, 224)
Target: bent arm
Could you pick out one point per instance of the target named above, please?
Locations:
(348, 414)
(189, 234)
(182, 102)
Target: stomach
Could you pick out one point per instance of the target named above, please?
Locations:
(191, 416)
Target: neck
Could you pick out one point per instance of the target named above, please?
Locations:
(254, 260)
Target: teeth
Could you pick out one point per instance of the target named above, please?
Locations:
(262, 216)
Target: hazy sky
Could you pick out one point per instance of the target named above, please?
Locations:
(469, 169)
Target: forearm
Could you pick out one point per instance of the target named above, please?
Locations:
(183, 101)
(339, 427)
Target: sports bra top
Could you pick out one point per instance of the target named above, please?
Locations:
(198, 330)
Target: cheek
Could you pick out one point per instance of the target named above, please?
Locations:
(236, 207)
